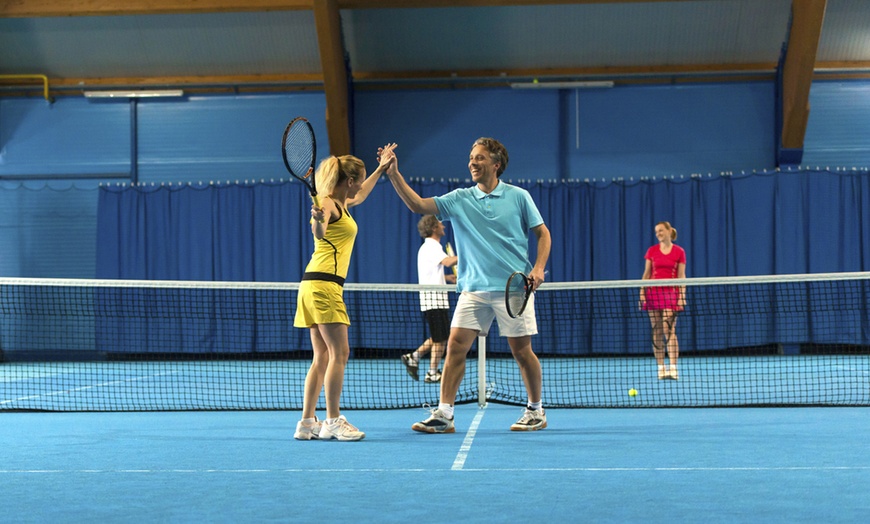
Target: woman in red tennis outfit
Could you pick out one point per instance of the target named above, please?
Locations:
(662, 303)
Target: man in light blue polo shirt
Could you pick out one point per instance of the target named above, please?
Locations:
(490, 221)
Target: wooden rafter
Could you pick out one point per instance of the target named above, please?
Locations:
(611, 72)
(335, 80)
(39, 8)
(380, 4)
(797, 74)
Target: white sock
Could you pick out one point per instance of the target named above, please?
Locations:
(447, 409)
(308, 421)
(415, 356)
(536, 406)
(332, 421)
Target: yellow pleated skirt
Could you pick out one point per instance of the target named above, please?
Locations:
(320, 302)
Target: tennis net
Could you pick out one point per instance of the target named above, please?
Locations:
(110, 345)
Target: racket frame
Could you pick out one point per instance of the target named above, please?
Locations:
(508, 293)
(312, 189)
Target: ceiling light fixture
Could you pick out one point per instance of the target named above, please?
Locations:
(562, 85)
(156, 93)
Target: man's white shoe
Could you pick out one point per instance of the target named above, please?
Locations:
(531, 420)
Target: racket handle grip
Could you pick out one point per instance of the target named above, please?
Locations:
(316, 200)
(450, 253)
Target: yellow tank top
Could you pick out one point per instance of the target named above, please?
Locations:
(332, 252)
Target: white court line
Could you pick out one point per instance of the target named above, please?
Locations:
(85, 388)
(429, 470)
(459, 462)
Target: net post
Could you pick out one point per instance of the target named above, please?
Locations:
(481, 371)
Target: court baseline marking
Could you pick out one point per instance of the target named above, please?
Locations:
(429, 470)
(459, 461)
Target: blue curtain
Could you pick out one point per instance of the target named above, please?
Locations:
(764, 223)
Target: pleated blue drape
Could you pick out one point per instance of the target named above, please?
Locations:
(765, 223)
(776, 223)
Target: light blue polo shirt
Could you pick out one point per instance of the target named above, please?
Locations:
(492, 233)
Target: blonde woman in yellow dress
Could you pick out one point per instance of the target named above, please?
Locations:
(341, 184)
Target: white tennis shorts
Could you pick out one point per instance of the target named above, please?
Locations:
(476, 310)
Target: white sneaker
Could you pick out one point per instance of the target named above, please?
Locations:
(411, 365)
(673, 374)
(531, 420)
(436, 423)
(340, 430)
(309, 431)
(432, 376)
(663, 372)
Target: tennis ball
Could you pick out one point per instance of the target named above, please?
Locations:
(535, 81)
(632, 392)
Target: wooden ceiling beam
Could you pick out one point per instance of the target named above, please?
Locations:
(797, 72)
(627, 74)
(316, 80)
(312, 79)
(606, 72)
(335, 79)
(381, 4)
(842, 66)
(44, 8)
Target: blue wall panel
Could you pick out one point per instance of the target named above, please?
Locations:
(624, 132)
(435, 129)
(670, 130)
(222, 138)
(838, 129)
(69, 137)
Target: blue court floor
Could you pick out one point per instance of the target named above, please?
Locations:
(593, 465)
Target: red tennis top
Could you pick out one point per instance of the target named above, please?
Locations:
(665, 266)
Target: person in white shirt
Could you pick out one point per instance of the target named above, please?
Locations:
(431, 262)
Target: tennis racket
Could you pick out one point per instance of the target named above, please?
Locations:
(450, 254)
(299, 149)
(517, 292)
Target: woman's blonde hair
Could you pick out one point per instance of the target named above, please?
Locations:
(670, 228)
(335, 170)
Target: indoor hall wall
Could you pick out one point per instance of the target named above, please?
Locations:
(838, 130)
(604, 133)
(624, 132)
(54, 156)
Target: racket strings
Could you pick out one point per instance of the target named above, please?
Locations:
(299, 150)
(517, 290)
